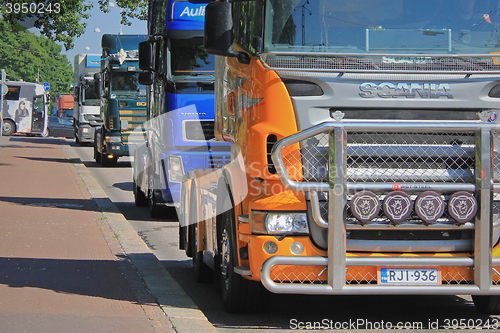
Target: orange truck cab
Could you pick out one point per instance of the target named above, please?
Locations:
(365, 151)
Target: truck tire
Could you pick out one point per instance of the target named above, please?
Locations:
(183, 225)
(9, 127)
(489, 304)
(140, 198)
(154, 208)
(201, 271)
(238, 294)
(97, 153)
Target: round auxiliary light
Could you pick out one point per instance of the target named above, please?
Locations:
(429, 206)
(365, 206)
(462, 206)
(297, 248)
(299, 223)
(397, 206)
(270, 247)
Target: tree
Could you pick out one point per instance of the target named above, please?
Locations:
(25, 56)
(61, 20)
(131, 9)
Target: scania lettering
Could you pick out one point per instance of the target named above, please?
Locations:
(366, 145)
(123, 99)
(409, 90)
(180, 134)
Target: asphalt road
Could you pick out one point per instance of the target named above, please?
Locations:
(281, 313)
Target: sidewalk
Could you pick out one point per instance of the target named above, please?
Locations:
(61, 267)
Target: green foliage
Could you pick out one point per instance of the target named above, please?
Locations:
(24, 55)
(60, 22)
(130, 9)
(63, 23)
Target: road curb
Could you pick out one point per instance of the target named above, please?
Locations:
(175, 303)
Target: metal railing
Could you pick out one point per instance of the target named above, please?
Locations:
(335, 274)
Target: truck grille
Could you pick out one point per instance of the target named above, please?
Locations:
(358, 275)
(376, 63)
(198, 130)
(217, 162)
(396, 159)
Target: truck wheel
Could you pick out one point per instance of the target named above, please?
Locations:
(97, 154)
(183, 225)
(139, 197)
(201, 271)
(154, 208)
(489, 304)
(238, 294)
(9, 127)
(76, 139)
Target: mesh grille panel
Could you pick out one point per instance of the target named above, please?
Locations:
(299, 274)
(199, 130)
(496, 276)
(356, 275)
(457, 275)
(389, 157)
(352, 62)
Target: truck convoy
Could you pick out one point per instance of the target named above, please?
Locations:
(86, 114)
(180, 134)
(65, 105)
(367, 140)
(123, 99)
(25, 109)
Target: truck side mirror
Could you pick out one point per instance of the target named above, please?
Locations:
(97, 84)
(146, 78)
(219, 29)
(146, 56)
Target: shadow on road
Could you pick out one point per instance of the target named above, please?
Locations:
(77, 204)
(47, 159)
(95, 278)
(124, 186)
(133, 213)
(340, 313)
(37, 140)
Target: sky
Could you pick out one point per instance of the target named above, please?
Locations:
(108, 23)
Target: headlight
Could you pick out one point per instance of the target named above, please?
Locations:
(85, 130)
(175, 169)
(114, 139)
(279, 223)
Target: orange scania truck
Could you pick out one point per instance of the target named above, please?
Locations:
(365, 151)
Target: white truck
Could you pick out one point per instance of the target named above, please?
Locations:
(87, 114)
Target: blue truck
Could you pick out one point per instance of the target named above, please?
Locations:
(123, 99)
(180, 131)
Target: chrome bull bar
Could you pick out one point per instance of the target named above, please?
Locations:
(481, 262)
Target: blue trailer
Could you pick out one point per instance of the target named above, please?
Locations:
(180, 131)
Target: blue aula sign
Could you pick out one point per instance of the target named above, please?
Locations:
(186, 11)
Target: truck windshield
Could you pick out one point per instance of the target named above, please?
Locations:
(383, 26)
(189, 59)
(89, 97)
(126, 84)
